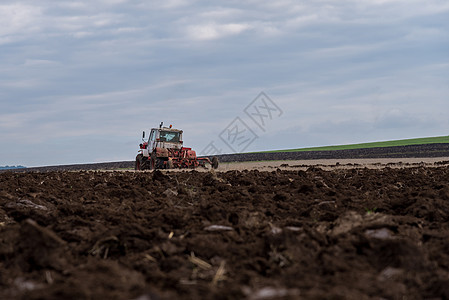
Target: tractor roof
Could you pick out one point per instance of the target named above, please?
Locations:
(168, 129)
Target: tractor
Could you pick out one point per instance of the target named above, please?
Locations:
(164, 150)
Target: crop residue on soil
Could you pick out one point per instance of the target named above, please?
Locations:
(343, 234)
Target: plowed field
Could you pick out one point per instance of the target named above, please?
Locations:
(351, 233)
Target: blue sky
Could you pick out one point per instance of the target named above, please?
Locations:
(80, 80)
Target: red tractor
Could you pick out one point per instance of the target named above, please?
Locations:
(164, 150)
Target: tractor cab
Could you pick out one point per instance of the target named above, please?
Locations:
(165, 137)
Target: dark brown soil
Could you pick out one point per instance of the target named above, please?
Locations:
(343, 234)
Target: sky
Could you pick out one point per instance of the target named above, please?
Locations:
(81, 80)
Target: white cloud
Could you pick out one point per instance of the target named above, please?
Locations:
(166, 5)
(215, 31)
(113, 2)
(80, 22)
(121, 30)
(221, 13)
(16, 19)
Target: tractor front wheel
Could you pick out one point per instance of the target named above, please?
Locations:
(150, 163)
(138, 163)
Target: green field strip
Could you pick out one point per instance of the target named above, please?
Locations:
(406, 142)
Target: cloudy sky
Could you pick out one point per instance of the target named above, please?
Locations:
(80, 80)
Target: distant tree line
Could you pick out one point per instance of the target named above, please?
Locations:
(11, 167)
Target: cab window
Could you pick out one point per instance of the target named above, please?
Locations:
(169, 136)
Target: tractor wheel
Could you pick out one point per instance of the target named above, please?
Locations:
(159, 163)
(150, 163)
(170, 164)
(138, 163)
(214, 162)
